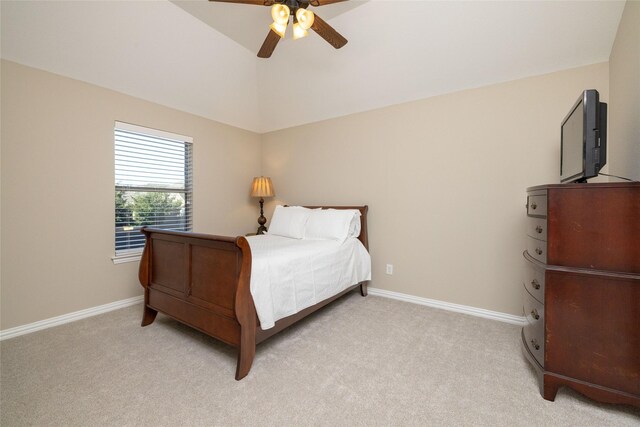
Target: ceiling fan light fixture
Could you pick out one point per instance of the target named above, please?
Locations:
(302, 20)
(280, 13)
(299, 31)
(305, 18)
(279, 29)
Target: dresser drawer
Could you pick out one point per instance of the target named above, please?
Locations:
(537, 249)
(533, 309)
(537, 228)
(537, 205)
(534, 338)
(534, 281)
(534, 327)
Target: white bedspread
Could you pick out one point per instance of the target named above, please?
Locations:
(289, 275)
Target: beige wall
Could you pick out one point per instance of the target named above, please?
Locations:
(624, 105)
(58, 198)
(444, 178)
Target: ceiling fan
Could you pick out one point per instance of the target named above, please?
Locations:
(282, 11)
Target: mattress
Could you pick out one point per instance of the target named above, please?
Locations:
(289, 275)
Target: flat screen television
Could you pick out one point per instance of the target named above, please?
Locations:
(583, 139)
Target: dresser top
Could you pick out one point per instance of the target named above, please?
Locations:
(587, 186)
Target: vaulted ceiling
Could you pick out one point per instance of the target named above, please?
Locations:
(200, 57)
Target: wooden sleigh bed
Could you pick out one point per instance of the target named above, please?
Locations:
(203, 281)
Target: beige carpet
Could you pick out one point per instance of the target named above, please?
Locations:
(362, 361)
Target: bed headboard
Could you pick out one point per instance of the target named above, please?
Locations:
(364, 236)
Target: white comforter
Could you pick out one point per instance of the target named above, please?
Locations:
(289, 275)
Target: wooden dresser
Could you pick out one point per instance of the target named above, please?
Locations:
(582, 289)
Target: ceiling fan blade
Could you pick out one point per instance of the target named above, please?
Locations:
(268, 45)
(327, 32)
(316, 3)
(256, 2)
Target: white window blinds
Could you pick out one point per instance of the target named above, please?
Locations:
(153, 184)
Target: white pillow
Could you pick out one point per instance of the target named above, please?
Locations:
(289, 221)
(355, 226)
(330, 224)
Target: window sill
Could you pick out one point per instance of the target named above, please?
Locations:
(121, 259)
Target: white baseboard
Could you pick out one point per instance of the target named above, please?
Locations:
(465, 309)
(66, 318)
(94, 311)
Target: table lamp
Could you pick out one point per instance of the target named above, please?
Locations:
(262, 187)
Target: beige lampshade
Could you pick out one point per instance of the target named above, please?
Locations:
(298, 31)
(280, 13)
(262, 187)
(279, 29)
(305, 18)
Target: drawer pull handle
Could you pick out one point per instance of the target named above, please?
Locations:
(539, 229)
(534, 314)
(535, 284)
(534, 206)
(535, 344)
(539, 251)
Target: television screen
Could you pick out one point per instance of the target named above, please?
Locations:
(583, 139)
(572, 144)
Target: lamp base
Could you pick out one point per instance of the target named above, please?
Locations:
(261, 219)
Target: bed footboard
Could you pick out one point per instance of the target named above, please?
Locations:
(202, 281)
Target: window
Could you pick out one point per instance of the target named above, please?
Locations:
(153, 185)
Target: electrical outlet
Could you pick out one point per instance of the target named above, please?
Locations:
(389, 269)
